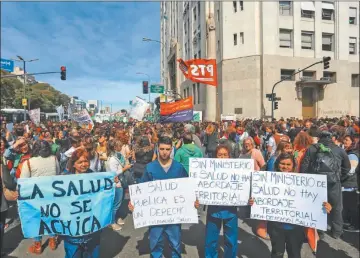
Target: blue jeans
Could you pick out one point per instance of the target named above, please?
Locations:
(119, 194)
(213, 227)
(82, 248)
(156, 238)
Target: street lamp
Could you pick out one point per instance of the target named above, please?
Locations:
(148, 81)
(24, 68)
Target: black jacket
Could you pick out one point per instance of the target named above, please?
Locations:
(211, 142)
(310, 156)
(350, 180)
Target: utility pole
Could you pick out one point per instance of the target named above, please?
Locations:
(24, 69)
(212, 93)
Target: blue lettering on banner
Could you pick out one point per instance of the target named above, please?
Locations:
(71, 205)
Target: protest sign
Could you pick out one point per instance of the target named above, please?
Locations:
(71, 205)
(83, 118)
(289, 198)
(138, 108)
(35, 115)
(222, 181)
(164, 202)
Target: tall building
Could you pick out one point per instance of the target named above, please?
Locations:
(260, 43)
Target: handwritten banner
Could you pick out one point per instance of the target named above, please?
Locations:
(35, 115)
(222, 181)
(83, 118)
(71, 205)
(290, 198)
(164, 202)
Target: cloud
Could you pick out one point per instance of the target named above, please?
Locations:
(100, 43)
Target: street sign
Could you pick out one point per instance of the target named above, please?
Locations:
(24, 102)
(7, 65)
(157, 88)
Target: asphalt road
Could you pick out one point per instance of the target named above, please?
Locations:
(130, 243)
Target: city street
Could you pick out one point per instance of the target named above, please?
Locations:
(134, 243)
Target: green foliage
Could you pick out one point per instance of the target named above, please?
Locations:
(41, 95)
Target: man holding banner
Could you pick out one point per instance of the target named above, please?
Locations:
(161, 169)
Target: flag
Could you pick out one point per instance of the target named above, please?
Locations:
(200, 70)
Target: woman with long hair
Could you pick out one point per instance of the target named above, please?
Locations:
(143, 155)
(221, 216)
(87, 246)
(117, 163)
(350, 186)
(41, 163)
(301, 142)
(211, 140)
(285, 236)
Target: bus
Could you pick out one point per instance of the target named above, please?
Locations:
(13, 115)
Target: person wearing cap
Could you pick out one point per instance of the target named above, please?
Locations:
(308, 165)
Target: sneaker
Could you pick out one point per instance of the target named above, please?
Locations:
(53, 243)
(116, 227)
(120, 222)
(35, 248)
(351, 229)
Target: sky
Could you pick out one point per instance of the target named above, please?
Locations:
(100, 43)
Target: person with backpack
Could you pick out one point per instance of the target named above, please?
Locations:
(328, 159)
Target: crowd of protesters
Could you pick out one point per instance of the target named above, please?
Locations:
(142, 151)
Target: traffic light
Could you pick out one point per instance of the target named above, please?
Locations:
(145, 87)
(276, 105)
(326, 61)
(63, 73)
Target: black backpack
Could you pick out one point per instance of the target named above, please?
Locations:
(326, 163)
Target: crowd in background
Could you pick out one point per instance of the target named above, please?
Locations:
(286, 145)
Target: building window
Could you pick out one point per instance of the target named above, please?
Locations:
(235, 6)
(185, 28)
(285, 8)
(186, 50)
(199, 9)
(235, 39)
(195, 56)
(199, 55)
(241, 3)
(307, 14)
(352, 15)
(327, 42)
(308, 9)
(287, 75)
(238, 111)
(308, 75)
(307, 38)
(194, 14)
(241, 37)
(285, 38)
(194, 93)
(328, 11)
(184, 93)
(198, 92)
(352, 46)
(218, 14)
(355, 80)
(329, 76)
(187, 92)
(218, 45)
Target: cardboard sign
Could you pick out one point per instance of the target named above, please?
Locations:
(163, 202)
(222, 181)
(291, 198)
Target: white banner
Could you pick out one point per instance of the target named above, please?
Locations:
(82, 117)
(290, 198)
(138, 108)
(164, 202)
(222, 181)
(35, 116)
(60, 111)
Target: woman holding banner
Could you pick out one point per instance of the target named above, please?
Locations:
(218, 216)
(285, 236)
(87, 246)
